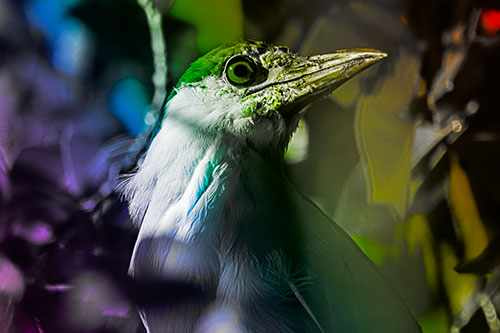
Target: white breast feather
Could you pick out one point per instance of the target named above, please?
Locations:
(195, 116)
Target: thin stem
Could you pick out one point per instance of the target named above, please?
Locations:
(159, 49)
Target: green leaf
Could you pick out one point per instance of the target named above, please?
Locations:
(216, 21)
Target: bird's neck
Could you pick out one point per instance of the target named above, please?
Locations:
(253, 185)
(261, 206)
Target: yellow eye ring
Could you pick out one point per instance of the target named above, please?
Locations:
(239, 71)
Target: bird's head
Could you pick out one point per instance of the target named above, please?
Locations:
(257, 92)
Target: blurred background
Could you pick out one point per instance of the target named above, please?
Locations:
(405, 156)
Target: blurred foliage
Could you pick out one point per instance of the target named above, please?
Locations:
(216, 22)
(472, 228)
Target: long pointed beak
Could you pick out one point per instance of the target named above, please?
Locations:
(310, 78)
(326, 72)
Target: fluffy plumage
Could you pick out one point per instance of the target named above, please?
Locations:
(215, 208)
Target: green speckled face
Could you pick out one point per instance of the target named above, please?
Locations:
(215, 62)
(241, 83)
(269, 77)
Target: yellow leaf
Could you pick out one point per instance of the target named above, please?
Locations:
(384, 137)
(418, 233)
(458, 287)
(471, 227)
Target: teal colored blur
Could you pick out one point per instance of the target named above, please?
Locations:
(68, 40)
(129, 102)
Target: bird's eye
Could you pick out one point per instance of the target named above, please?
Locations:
(239, 71)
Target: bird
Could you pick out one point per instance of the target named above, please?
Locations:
(215, 208)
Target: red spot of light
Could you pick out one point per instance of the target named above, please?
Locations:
(490, 21)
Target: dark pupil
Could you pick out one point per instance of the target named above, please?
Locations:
(241, 71)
